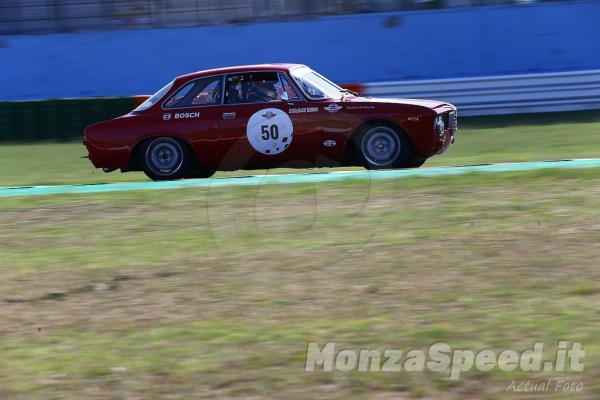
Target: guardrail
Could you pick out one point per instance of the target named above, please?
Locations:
(510, 94)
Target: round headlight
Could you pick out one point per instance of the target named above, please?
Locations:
(439, 125)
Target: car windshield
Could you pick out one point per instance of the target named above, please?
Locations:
(314, 85)
(155, 97)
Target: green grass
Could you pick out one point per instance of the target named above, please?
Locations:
(479, 140)
(527, 137)
(215, 292)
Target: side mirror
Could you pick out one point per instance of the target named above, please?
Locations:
(286, 98)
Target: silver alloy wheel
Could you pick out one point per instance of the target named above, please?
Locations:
(164, 156)
(380, 146)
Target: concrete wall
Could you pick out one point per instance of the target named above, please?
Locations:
(459, 42)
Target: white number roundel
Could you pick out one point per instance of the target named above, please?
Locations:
(270, 131)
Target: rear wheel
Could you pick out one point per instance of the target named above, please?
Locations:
(383, 146)
(165, 158)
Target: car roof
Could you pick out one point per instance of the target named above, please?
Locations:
(240, 68)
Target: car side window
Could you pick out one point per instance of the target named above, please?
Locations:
(200, 92)
(254, 87)
(287, 88)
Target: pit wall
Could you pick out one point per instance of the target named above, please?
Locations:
(59, 119)
(363, 48)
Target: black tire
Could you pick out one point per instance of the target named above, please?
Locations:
(204, 174)
(165, 158)
(416, 161)
(383, 146)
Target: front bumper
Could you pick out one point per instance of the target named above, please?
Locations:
(448, 136)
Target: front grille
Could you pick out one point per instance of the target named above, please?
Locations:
(450, 121)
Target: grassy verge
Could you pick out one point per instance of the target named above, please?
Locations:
(480, 140)
(524, 137)
(215, 293)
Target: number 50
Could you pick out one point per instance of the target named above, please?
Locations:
(270, 131)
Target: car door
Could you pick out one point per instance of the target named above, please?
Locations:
(257, 129)
(193, 112)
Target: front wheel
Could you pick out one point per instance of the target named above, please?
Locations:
(383, 146)
(165, 158)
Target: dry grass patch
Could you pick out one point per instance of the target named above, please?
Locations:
(214, 293)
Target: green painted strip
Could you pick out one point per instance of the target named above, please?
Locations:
(296, 178)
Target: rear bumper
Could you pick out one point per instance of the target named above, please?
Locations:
(112, 157)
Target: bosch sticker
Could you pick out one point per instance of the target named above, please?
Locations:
(270, 131)
(187, 115)
(167, 116)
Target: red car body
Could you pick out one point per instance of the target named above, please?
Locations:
(267, 116)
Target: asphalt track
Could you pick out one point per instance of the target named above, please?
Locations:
(296, 178)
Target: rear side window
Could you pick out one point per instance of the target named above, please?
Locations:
(155, 97)
(200, 92)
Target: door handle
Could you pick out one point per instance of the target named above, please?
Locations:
(228, 115)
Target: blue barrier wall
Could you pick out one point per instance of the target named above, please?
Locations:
(459, 42)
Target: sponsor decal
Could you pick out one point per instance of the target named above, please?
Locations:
(269, 115)
(271, 137)
(303, 110)
(330, 143)
(360, 107)
(166, 116)
(187, 115)
(332, 108)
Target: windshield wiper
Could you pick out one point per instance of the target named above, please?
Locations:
(350, 91)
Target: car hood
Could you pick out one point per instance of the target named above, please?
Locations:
(413, 102)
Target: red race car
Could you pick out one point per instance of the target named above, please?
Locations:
(267, 116)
